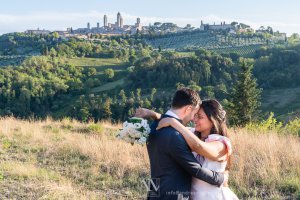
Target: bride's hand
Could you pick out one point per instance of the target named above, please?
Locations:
(143, 113)
(226, 177)
(165, 122)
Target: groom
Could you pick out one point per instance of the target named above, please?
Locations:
(172, 162)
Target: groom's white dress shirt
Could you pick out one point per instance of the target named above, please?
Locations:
(172, 114)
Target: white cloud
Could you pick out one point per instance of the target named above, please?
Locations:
(61, 21)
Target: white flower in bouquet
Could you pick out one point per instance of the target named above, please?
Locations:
(135, 130)
(142, 140)
(137, 126)
(129, 140)
(135, 133)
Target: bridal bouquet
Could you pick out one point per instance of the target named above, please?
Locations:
(135, 130)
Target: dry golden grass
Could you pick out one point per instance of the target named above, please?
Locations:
(264, 164)
(66, 142)
(72, 160)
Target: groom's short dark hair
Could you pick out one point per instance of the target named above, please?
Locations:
(184, 97)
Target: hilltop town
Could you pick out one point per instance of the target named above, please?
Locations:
(158, 28)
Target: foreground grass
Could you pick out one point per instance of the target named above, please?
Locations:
(71, 160)
(68, 160)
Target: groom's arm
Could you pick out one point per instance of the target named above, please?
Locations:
(180, 152)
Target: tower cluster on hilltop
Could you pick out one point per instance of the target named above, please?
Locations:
(159, 28)
(111, 28)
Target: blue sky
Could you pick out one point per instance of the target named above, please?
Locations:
(19, 15)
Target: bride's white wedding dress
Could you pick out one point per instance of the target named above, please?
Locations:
(201, 190)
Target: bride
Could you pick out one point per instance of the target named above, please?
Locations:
(209, 142)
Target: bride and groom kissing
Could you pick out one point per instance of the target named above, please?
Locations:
(189, 163)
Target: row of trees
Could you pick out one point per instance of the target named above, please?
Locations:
(118, 106)
(278, 67)
(242, 103)
(204, 69)
(24, 44)
(41, 84)
(52, 45)
(34, 87)
(126, 49)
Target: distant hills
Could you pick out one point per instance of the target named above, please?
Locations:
(123, 72)
(219, 41)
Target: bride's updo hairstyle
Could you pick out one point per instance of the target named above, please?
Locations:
(217, 115)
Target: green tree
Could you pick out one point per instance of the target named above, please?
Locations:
(55, 35)
(109, 73)
(53, 52)
(209, 91)
(193, 85)
(147, 103)
(153, 92)
(123, 96)
(138, 94)
(245, 97)
(206, 70)
(84, 114)
(45, 51)
(107, 108)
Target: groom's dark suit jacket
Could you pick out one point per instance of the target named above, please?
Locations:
(173, 165)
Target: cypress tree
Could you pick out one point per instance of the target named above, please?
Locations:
(245, 97)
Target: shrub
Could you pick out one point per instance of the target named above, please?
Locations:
(270, 123)
(293, 127)
(95, 128)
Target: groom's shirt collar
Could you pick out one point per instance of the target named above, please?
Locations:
(172, 114)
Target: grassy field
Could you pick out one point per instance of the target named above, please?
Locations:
(108, 86)
(71, 160)
(186, 54)
(285, 103)
(99, 63)
(93, 62)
